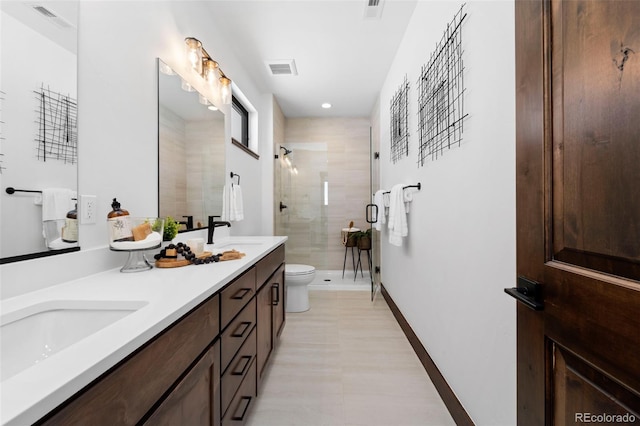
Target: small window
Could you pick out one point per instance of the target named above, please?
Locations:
(240, 123)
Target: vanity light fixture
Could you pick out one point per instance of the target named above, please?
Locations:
(187, 87)
(225, 89)
(166, 69)
(210, 70)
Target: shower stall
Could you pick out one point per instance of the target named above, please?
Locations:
(303, 210)
(322, 183)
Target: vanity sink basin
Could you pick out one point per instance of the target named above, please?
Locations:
(32, 334)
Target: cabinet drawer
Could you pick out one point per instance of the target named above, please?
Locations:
(236, 333)
(238, 370)
(240, 404)
(237, 295)
(268, 265)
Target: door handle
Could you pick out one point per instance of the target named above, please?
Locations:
(369, 209)
(240, 294)
(528, 292)
(244, 325)
(275, 301)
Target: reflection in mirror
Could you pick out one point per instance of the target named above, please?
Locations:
(191, 135)
(38, 128)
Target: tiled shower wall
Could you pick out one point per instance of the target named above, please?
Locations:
(192, 173)
(338, 152)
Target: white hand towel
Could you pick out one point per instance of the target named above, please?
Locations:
(408, 197)
(56, 203)
(227, 212)
(397, 216)
(378, 201)
(237, 205)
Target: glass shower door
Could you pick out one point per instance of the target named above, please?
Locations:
(302, 182)
(374, 185)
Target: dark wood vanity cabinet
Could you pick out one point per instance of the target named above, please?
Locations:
(270, 305)
(155, 375)
(194, 401)
(202, 370)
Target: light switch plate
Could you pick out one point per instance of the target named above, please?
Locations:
(88, 206)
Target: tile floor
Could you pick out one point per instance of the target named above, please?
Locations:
(346, 362)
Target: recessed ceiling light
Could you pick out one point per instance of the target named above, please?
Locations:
(212, 108)
(326, 105)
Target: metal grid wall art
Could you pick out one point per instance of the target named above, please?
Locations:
(441, 94)
(400, 122)
(57, 126)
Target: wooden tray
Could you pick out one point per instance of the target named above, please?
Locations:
(176, 263)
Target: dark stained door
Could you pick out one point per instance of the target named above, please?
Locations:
(578, 210)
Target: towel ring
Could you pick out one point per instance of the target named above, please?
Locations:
(234, 175)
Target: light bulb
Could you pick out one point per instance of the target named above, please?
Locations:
(194, 53)
(210, 68)
(225, 90)
(187, 87)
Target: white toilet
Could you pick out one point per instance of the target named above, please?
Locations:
(297, 279)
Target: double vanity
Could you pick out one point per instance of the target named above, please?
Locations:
(169, 346)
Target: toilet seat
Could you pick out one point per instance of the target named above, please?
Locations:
(296, 269)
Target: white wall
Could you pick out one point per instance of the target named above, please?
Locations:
(118, 100)
(449, 276)
(117, 97)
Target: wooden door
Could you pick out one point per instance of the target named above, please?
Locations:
(195, 399)
(578, 210)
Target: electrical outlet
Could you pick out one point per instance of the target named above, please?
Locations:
(88, 206)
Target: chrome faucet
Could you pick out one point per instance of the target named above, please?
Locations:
(213, 224)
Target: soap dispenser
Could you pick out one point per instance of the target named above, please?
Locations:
(70, 229)
(118, 222)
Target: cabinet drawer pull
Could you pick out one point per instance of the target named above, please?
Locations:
(240, 294)
(275, 301)
(246, 325)
(248, 402)
(247, 360)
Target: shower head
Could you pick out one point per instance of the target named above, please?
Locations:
(286, 151)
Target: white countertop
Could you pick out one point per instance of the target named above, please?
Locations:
(170, 293)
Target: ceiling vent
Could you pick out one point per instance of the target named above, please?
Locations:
(282, 67)
(373, 9)
(51, 16)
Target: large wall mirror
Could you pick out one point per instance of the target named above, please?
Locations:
(191, 149)
(38, 128)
